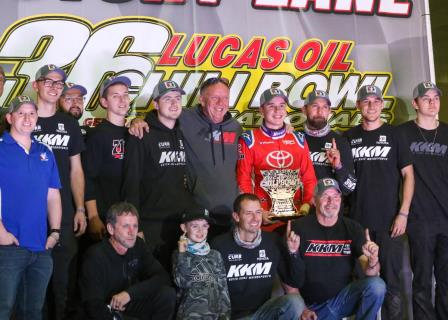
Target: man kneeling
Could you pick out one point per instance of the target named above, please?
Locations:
(253, 259)
(120, 275)
(329, 246)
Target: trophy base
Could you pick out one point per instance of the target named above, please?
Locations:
(286, 217)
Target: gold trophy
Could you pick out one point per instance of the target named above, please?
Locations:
(281, 186)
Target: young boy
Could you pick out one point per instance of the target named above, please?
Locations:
(198, 271)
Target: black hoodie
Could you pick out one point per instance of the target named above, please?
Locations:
(154, 171)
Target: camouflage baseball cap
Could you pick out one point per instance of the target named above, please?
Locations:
(196, 213)
(71, 85)
(17, 102)
(164, 87)
(325, 184)
(269, 94)
(423, 87)
(48, 68)
(369, 90)
(114, 80)
(316, 94)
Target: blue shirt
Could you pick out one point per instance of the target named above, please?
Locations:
(24, 183)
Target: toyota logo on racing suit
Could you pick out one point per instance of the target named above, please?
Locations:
(279, 159)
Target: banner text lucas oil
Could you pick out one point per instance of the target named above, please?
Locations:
(89, 53)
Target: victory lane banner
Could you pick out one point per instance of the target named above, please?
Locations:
(337, 46)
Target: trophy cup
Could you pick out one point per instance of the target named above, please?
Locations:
(281, 186)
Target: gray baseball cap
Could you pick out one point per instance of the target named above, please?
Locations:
(423, 87)
(164, 87)
(48, 68)
(17, 102)
(114, 80)
(71, 85)
(316, 94)
(325, 184)
(269, 94)
(369, 90)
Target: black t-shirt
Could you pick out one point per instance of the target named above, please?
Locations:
(430, 160)
(323, 169)
(103, 164)
(378, 155)
(251, 272)
(329, 254)
(62, 134)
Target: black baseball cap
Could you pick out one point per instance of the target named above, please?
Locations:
(114, 80)
(423, 87)
(196, 213)
(164, 87)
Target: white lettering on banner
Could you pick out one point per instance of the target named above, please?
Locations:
(44, 41)
(370, 152)
(120, 46)
(394, 8)
(254, 269)
(124, 44)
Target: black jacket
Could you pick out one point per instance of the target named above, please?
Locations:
(154, 171)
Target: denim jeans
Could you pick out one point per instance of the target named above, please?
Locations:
(286, 307)
(362, 298)
(24, 276)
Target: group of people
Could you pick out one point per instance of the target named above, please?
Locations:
(149, 198)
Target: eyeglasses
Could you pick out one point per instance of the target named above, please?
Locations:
(70, 100)
(58, 84)
(211, 81)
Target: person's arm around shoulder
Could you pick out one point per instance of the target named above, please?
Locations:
(138, 127)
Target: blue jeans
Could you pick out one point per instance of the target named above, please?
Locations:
(362, 297)
(24, 276)
(286, 307)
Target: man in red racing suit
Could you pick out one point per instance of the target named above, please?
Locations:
(267, 148)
